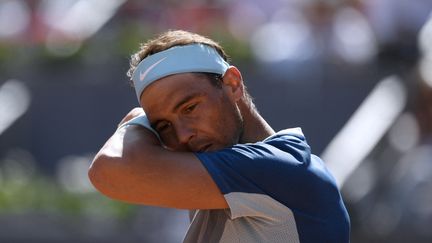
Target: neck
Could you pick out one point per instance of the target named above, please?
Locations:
(255, 128)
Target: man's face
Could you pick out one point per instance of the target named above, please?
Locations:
(192, 114)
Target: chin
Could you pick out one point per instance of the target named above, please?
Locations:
(215, 147)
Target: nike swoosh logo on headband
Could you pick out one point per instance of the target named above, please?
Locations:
(144, 74)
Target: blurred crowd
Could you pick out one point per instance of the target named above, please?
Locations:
(391, 190)
(352, 30)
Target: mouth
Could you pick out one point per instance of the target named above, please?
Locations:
(205, 148)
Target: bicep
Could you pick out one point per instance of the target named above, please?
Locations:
(133, 167)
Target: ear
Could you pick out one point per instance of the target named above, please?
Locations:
(233, 82)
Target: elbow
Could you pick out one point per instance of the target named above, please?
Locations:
(100, 176)
(111, 176)
(93, 172)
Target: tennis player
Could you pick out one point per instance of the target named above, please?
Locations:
(199, 143)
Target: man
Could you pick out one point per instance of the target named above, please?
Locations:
(203, 146)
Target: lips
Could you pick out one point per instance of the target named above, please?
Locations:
(204, 148)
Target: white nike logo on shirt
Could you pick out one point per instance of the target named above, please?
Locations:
(144, 74)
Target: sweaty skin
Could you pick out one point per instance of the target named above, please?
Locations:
(190, 114)
(194, 115)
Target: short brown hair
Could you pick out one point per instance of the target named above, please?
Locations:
(167, 40)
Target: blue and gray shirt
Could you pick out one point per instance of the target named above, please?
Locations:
(277, 191)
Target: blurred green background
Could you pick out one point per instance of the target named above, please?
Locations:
(356, 75)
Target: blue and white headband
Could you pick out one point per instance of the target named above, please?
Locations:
(175, 60)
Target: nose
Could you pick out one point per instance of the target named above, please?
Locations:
(184, 133)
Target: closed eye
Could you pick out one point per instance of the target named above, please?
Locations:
(190, 108)
(162, 126)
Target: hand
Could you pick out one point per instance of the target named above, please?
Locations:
(137, 111)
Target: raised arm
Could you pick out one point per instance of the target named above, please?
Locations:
(133, 167)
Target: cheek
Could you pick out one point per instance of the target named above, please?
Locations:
(168, 140)
(231, 128)
(226, 124)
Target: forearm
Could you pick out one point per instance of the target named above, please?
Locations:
(133, 167)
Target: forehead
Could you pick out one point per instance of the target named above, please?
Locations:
(166, 92)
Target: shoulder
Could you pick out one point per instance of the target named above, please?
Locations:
(287, 145)
(282, 164)
(280, 159)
